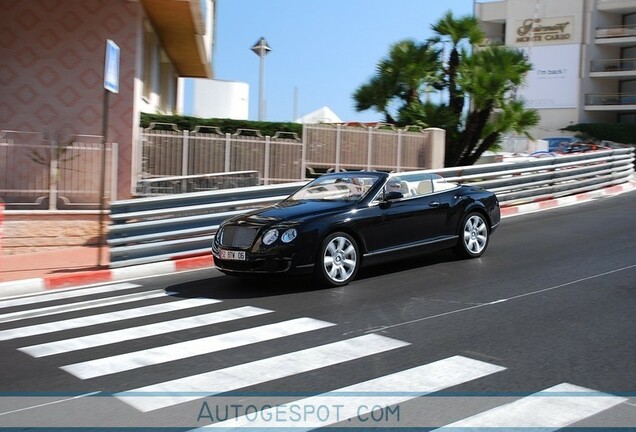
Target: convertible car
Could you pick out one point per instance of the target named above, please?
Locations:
(339, 221)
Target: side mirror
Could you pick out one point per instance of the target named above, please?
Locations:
(393, 195)
(390, 197)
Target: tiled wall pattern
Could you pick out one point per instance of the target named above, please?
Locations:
(51, 70)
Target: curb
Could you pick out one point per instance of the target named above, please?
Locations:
(47, 283)
(568, 200)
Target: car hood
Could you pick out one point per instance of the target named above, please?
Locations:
(292, 211)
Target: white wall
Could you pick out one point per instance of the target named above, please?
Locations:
(217, 99)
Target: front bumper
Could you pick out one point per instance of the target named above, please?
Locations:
(271, 262)
(249, 266)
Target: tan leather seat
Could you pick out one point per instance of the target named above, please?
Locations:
(425, 187)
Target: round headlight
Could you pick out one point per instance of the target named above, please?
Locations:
(289, 235)
(270, 236)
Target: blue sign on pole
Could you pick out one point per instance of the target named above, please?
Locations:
(111, 67)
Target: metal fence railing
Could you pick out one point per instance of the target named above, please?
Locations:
(205, 150)
(616, 31)
(610, 99)
(613, 65)
(161, 228)
(40, 173)
(284, 157)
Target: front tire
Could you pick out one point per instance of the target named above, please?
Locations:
(338, 259)
(473, 236)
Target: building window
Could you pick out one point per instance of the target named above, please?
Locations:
(149, 56)
(168, 88)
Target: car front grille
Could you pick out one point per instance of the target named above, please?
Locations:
(237, 236)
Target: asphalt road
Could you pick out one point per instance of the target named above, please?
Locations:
(550, 305)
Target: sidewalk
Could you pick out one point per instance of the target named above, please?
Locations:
(67, 261)
(76, 266)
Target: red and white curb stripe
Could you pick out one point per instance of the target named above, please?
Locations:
(35, 285)
(568, 200)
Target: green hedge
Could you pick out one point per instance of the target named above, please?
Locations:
(619, 133)
(225, 125)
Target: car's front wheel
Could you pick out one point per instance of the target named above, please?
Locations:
(473, 236)
(338, 259)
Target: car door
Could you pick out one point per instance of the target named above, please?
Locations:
(408, 221)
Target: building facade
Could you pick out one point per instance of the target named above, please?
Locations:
(52, 67)
(583, 54)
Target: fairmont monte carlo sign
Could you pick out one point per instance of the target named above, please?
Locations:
(544, 31)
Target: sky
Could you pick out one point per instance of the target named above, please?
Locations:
(322, 50)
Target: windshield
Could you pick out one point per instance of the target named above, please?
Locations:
(346, 187)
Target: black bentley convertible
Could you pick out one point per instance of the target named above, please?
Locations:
(340, 221)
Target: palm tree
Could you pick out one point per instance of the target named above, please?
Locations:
(513, 116)
(487, 76)
(462, 34)
(491, 76)
(400, 78)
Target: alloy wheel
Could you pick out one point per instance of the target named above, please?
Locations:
(340, 259)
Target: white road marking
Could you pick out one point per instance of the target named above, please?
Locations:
(531, 293)
(73, 307)
(66, 294)
(551, 409)
(49, 403)
(127, 334)
(362, 398)
(195, 387)
(178, 351)
(109, 317)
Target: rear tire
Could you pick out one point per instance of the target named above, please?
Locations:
(474, 235)
(338, 260)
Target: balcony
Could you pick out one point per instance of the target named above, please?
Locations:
(181, 26)
(617, 36)
(621, 7)
(613, 69)
(610, 102)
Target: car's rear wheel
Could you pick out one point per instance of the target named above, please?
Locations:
(473, 236)
(338, 259)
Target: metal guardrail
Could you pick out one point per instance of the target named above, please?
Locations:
(196, 183)
(163, 228)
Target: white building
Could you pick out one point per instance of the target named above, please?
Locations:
(583, 54)
(321, 115)
(206, 98)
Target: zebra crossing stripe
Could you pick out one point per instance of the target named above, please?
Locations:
(361, 399)
(178, 351)
(73, 307)
(91, 320)
(132, 333)
(66, 294)
(550, 409)
(195, 387)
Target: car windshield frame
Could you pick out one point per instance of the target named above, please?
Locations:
(343, 187)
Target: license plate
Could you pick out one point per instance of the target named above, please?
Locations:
(232, 255)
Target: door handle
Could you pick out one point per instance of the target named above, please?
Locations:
(434, 204)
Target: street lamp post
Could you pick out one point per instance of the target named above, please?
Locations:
(261, 49)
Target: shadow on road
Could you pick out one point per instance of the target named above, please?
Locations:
(232, 287)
